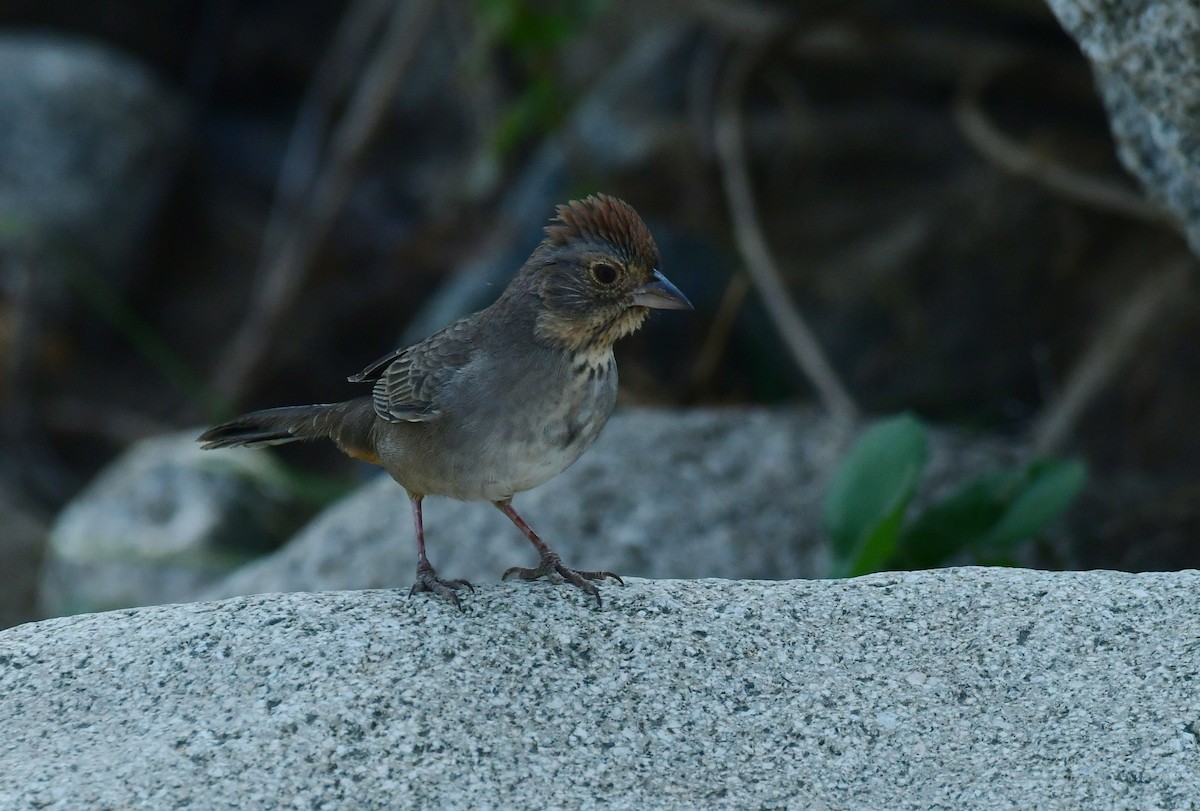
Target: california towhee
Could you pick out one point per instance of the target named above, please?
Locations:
(505, 399)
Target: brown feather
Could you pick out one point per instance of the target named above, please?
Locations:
(607, 221)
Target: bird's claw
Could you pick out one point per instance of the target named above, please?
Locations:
(427, 580)
(553, 569)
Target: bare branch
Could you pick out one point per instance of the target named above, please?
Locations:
(1116, 342)
(341, 63)
(1063, 181)
(281, 280)
(751, 22)
(752, 245)
(713, 348)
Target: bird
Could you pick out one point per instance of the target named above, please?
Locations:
(505, 399)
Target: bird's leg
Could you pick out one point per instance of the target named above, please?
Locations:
(427, 579)
(550, 566)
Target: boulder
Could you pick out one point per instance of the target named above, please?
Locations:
(1146, 57)
(162, 522)
(90, 140)
(956, 688)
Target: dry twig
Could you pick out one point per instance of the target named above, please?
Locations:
(1115, 344)
(752, 245)
(1063, 181)
(1125, 330)
(750, 22)
(713, 348)
(341, 63)
(281, 280)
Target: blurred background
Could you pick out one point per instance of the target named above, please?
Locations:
(214, 205)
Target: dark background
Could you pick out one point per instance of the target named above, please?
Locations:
(938, 275)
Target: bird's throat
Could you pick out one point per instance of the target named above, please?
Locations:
(591, 335)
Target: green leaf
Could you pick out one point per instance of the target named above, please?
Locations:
(870, 493)
(536, 110)
(956, 522)
(877, 548)
(1049, 488)
(991, 514)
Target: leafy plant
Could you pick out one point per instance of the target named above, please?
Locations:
(536, 36)
(869, 498)
(870, 494)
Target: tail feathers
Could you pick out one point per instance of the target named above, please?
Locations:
(276, 426)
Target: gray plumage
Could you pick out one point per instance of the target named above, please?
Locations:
(505, 399)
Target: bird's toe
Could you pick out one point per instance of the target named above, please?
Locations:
(428, 581)
(553, 569)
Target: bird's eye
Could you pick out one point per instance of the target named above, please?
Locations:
(604, 273)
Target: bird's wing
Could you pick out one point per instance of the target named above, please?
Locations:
(407, 381)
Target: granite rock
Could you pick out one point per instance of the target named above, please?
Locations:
(1146, 59)
(162, 522)
(957, 688)
(90, 140)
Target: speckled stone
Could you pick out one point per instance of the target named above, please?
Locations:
(958, 688)
(162, 522)
(1146, 59)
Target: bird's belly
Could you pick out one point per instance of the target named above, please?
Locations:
(522, 458)
(491, 459)
(531, 464)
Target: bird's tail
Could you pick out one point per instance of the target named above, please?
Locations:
(348, 424)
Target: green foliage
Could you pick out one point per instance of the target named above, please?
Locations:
(869, 498)
(537, 109)
(870, 493)
(536, 35)
(530, 28)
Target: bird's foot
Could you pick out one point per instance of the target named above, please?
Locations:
(552, 568)
(427, 580)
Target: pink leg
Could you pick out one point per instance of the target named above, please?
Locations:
(419, 525)
(427, 579)
(550, 565)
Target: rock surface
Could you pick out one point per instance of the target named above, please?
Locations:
(164, 520)
(1146, 57)
(699, 493)
(90, 141)
(959, 688)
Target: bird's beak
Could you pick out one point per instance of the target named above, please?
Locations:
(660, 294)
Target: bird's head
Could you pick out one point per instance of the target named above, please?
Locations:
(597, 274)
